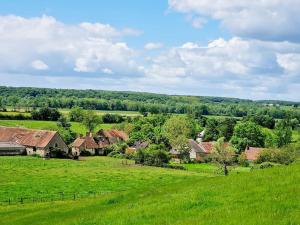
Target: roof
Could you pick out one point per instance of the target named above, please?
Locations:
(113, 133)
(252, 153)
(7, 145)
(87, 141)
(26, 137)
(103, 143)
(78, 142)
(203, 147)
(140, 144)
(194, 145)
(90, 142)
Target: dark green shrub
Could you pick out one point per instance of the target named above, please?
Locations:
(266, 165)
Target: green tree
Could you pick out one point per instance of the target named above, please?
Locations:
(226, 128)
(223, 155)
(211, 130)
(247, 134)
(76, 114)
(283, 132)
(178, 129)
(90, 120)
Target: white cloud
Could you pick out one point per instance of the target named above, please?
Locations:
(260, 19)
(66, 49)
(39, 65)
(43, 51)
(235, 67)
(152, 46)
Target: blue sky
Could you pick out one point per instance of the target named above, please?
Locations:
(235, 48)
(153, 18)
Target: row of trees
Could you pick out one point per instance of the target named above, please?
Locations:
(29, 98)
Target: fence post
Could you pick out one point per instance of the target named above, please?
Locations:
(21, 200)
(74, 196)
(62, 196)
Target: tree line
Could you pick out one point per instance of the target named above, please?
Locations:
(30, 98)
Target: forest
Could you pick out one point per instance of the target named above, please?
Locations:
(31, 98)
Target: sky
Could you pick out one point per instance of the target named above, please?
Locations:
(232, 48)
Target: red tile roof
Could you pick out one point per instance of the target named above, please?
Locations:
(253, 153)
(113, 134)
(26, 137)
(87, 141)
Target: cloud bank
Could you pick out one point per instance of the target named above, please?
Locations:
(260, 19)
(43, 52)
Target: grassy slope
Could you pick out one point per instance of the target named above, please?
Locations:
(268, 196)
(49, 125)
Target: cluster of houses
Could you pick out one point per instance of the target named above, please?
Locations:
(200, 149)
(22, 141)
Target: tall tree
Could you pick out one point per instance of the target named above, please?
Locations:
(90, 120)
(223, 154)
(178, 129)
(283, 133)
(247, 134)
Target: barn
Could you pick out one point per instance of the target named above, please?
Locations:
(36, 142)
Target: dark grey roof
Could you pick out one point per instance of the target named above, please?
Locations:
(194, 145)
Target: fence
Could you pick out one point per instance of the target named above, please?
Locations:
(44, 197)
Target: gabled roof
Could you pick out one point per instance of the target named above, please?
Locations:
(252, 153)
(203, 147)
(113, 133)
(78, 142)
(195, 146)
(26, 137)
(87, 141)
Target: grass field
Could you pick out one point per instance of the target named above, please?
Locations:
(66, 112)
(144, 195)
(49, 125)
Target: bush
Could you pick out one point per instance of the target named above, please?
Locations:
(18, 116)
(282, 156)
(47, 114)
(176, 167)
(266, 165)
(151, 157)
(242, 160)
(112, 118)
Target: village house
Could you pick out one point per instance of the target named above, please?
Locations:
(96, 144)
(84, 145)
(15, 141)
(112, 136)
(252, 153)
(198, 150)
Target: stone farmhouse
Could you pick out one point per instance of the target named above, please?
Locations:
(18, 141)
(198, 150)
(96, 144)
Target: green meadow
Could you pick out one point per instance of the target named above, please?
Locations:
(134, 194)
(49, 125)
(66, 112)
